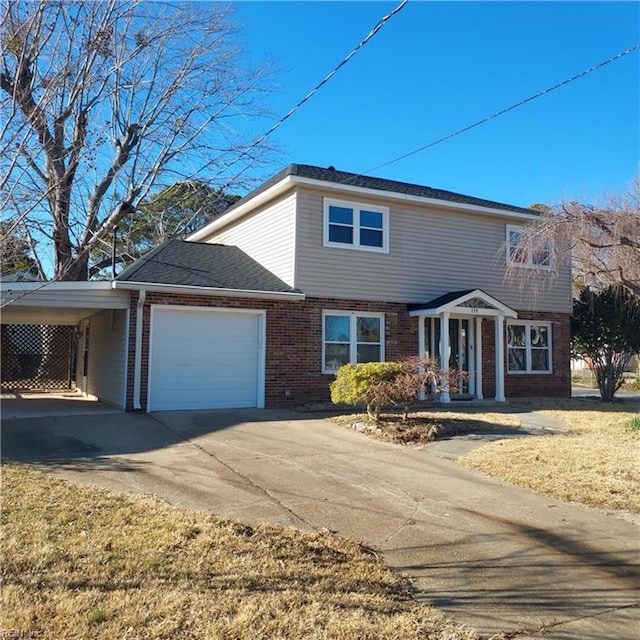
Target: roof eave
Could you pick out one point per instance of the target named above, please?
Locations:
(292, 180)
(208, 291)
(395, 195)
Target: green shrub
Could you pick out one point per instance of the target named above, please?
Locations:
(364, 384)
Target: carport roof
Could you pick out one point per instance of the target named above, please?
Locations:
(57, 302)
(200, 264)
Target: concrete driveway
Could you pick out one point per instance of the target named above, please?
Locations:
(494, 556)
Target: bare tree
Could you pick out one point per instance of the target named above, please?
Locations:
(602, 242)
(180, 209)
(104, 102)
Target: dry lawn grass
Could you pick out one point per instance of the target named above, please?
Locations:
(596, 462)
(84, 563)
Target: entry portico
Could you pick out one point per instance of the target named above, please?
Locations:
(452, 324)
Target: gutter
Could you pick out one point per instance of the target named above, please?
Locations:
(144, 287)
(137, 359)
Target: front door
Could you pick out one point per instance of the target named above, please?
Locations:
(459, 356)
(460, 349)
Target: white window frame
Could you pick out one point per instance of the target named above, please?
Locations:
(353, 333)
(528, 324)
(357, 207)
(527, 263)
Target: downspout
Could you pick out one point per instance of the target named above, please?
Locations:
(137, 359)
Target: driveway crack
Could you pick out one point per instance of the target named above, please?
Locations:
(244, 477)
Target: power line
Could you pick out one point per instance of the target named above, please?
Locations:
(507, 109)
(306, 98)
(265, 135)
(487, 118)
(423, 147)
(333, 72)
(459, 131)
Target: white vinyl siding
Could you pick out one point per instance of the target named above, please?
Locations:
(431, 252)
(205, 358)
(107, 358)
(268, 236)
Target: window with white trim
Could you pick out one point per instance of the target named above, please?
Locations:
(356, 226)
(529, 347)
(520, 254)
(351, 337)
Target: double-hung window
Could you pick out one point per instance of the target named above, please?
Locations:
(527, 253)
(356, 226)
(529, 347)
(351, 337)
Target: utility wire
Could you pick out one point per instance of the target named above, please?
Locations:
(430, 144)
(507, 109)
(443, 138)
(333, 72)
(306, 98)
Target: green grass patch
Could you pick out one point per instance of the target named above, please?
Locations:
(634, 423)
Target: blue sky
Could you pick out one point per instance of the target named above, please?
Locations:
(436, 67)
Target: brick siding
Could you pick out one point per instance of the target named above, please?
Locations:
(530, 385)
(293, 372)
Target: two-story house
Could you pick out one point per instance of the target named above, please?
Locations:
(319, 267)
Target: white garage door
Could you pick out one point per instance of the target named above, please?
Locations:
(204, 359)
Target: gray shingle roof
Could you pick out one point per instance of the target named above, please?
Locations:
(440, 300)
(379, 184)
(199, 264)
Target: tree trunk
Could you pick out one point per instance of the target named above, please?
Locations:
(78, 270)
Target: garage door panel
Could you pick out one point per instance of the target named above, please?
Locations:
(204, 359)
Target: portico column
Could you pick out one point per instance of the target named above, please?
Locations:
(421, 345)
(500, 358)
(478, 356)
(444, 356)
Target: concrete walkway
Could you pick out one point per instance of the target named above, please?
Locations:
(494, 556)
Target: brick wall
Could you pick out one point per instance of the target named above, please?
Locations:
(293, 372)
(294, 346)
(558, 382)
(554, 384)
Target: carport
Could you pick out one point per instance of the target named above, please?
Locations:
(84, 322)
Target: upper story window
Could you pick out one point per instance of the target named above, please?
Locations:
(519, 253)
(355, 226)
